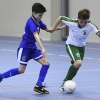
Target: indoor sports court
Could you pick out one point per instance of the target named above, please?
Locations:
(20, 87)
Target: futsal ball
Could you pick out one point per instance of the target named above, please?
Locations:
(69, 86)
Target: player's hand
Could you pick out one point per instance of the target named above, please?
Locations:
(43, 52)
(50, 30)
(98, 34)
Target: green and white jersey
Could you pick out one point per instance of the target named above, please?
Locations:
(78, 35)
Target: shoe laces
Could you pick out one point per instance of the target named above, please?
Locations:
(44, 86)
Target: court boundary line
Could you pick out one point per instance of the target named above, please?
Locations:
(48, 54)
(94, 70)
(51, 45)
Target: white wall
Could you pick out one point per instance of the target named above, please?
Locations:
(54, 11)
(14, 13)
(93, 6)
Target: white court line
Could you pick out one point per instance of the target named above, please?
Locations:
(84, 57)
(48, 54)
(55, 72)
(8, 50)
(48, 44)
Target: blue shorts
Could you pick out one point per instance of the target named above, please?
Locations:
(25, 54)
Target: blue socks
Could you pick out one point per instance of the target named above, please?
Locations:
(42, 75)
(10, 73)
(15, 71)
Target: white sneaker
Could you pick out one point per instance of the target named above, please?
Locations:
(62, 87)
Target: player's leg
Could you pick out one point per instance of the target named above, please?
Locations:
(82, 51)
(42, 75)
(44, 69)
(76, 62)
(78, 54)
(76, 58)
(13, 72)
(23, 59)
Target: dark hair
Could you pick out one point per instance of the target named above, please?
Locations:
(38, 8)
(84, 14)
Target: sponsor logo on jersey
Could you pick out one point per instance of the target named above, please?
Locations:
(84, 32)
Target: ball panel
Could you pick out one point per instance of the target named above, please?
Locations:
(69, 86)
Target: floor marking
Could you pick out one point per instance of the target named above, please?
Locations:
(48, 54)
(48, 44)
(59, 56)
(57, 72)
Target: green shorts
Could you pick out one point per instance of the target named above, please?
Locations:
(75, 53)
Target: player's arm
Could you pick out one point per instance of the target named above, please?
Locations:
(48, 29)
(39, 43)
(54, 28)
(95, 29)
(58, 21)
(35, 32)
(58, 28)
(98, 33)
(67, 21)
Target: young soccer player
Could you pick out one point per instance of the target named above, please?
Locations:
(28, 50)
(79, 29)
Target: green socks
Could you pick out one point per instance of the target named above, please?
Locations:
(71, 73)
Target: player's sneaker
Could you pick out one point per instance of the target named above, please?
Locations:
(62, 86)
(44, 85)
(40, 90)
(0, 80)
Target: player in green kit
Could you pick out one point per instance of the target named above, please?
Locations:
(79, 29)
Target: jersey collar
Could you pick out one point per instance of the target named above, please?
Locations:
(79, 25)
(34, 19)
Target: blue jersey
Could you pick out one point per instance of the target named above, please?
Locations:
(32, 26)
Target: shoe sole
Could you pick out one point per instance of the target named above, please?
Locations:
(40, 91)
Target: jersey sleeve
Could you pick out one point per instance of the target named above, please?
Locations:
(42, 25)
(33, 28)
(94, 27)
(67, 21)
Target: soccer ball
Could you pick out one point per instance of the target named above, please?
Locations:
(69, 86)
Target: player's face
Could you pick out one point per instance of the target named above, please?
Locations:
(38, 16)
(83, 22)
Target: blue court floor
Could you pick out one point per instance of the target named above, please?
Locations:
(20, 87)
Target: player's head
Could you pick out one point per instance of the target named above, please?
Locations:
(83, 17)
(38, 10)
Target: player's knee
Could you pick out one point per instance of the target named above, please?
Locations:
(78, 63)
(22, 69)
(46, 63)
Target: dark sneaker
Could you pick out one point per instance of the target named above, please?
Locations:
(0, 80)
(40, 90)
(44, 85)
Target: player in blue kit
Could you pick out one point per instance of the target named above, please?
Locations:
(28, 50)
